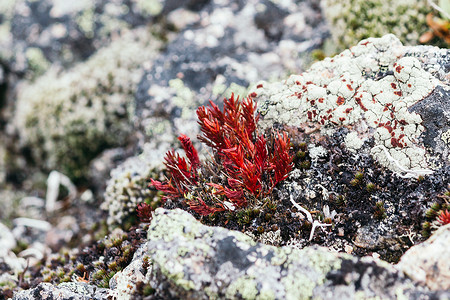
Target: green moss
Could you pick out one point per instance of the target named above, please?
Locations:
(68, 119)
(352, 21)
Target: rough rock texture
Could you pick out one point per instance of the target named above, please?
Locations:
(429, 262)
(193, 261)
(184, 259)
(352, 21)
(129, 182)
(64, 291)
(375, 89)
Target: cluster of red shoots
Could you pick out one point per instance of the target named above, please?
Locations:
(246, 165)
(444, 217)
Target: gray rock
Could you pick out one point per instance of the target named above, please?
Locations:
(380, 90)
(429, 262)
(184, 259)
(68, 290)
(193, 261)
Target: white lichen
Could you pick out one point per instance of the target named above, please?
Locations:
(367, 88)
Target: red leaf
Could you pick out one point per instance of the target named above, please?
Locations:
(444, 217)
(191, 153)
(202, 208)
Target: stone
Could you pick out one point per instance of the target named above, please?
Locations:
(429, 262)
(379, 89)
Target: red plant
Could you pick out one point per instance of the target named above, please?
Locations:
(444, 217)
(144, 212)
(252, 166)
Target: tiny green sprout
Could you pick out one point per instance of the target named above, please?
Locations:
(426, 229)
(354, 182)
(148, 290)
(260, 229)
(300, 154)
(340, 200)
(112, 266)
(380, 211)
(99, 274)
(305, 165)
(268, 216)
(430, 213)
(303, 146)
(359, 176)
(126, 252)
(117, 242)
(420, 178)
(111, 275)
(435, 206)
(318, 54)
(370, 187)
(426, 225)
(80, 267)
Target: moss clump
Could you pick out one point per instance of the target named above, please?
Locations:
(352, 21)
(67, 119)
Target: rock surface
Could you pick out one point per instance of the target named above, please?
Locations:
(189, 260)
(429, 262)
(378, 89)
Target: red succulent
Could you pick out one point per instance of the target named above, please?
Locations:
(251, 169)
(444, 217)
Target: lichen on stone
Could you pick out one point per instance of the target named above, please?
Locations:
(67, 118)
(368, 88)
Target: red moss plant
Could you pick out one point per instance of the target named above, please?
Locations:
(245, 167)
(444, 217)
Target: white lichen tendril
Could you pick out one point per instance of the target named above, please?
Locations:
(314, 223)
(409, 173)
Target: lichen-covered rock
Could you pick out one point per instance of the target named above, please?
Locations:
(429, 262)
(193, 261)
(373, 89)
(66, 119)
(352, 21)
(67, 290)
(128, 185)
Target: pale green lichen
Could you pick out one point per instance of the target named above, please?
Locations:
(368, 88)
(298, 286)
(352, 21)
(86, 22)
(245, 286)
(36, 60)
(150, 7)
(265, 294)
(67, 118)
(445, 137)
